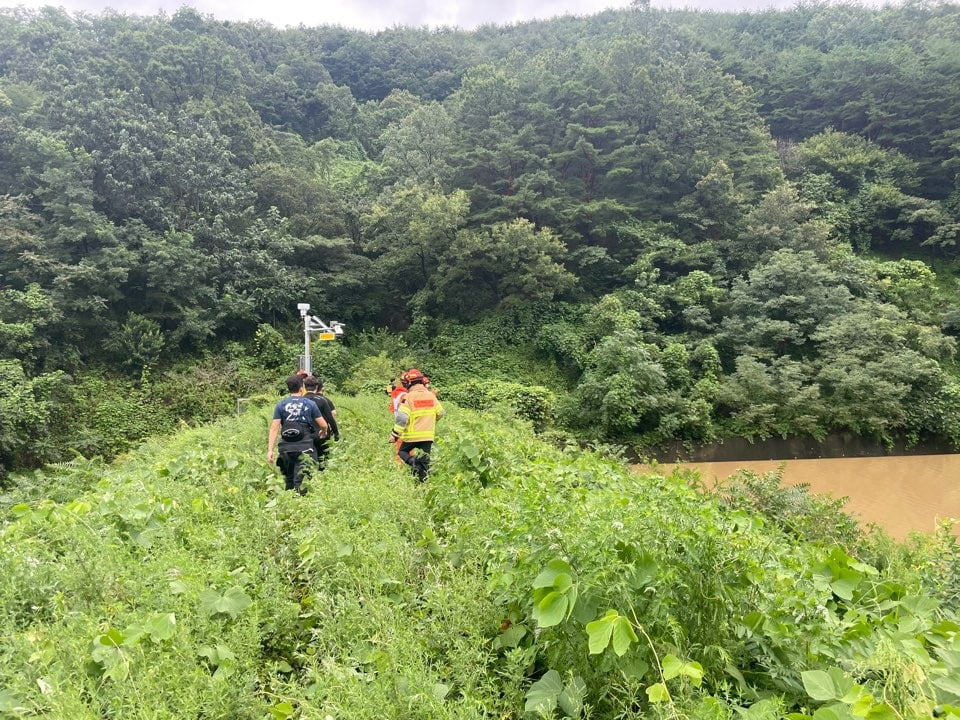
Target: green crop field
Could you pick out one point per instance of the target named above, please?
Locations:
(520, 581)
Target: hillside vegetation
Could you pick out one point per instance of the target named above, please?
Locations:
(521, 580)
(698, 225)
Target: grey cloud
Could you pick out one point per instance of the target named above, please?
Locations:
(379, 14)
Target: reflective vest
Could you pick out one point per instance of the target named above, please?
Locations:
(416, 418)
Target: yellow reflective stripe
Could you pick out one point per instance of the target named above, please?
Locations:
(417, 436)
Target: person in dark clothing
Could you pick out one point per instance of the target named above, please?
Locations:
(296, 421)
(314, 391)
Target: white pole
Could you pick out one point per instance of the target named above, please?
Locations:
(304, 309)
(306, 345)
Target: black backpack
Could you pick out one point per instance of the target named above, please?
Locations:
(292, 431)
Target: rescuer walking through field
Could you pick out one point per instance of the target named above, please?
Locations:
(416, 423)
(314, 391)
(296, 421)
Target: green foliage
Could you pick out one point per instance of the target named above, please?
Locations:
(138, 343)
(512, 262)
(372, 374)
(521, 578)
(534, 403)
(795, 510)
(29, 414)
(271, 350)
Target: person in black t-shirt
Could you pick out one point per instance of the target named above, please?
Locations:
(314, 391)
(296, 422)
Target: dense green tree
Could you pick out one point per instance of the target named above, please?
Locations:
(508, 262)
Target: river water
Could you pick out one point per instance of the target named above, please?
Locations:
(899, 493)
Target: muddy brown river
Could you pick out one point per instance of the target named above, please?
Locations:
(901, 494)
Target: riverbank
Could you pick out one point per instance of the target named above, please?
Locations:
(835, 445)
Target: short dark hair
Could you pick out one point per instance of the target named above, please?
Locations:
(312, 383)
(295, 383)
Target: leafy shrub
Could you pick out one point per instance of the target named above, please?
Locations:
(331, 361)
(272, 351)
(137, 343)
(371, 375)
(29, 416)
(807, 516)
(530, 402)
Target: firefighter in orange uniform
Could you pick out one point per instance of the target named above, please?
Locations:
(415, 423)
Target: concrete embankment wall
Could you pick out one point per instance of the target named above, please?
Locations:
(837, 445)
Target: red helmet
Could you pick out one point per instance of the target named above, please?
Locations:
(411, 377)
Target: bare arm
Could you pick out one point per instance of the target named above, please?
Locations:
(272, 440)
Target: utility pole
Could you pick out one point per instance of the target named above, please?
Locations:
(313, 324)
(304, 309)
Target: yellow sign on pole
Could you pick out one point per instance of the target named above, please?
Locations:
(326, 336)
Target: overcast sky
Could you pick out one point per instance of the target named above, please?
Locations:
(379, 14)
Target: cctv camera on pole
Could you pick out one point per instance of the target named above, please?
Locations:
(313, 324)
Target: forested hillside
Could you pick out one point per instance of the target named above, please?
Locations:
(687, 225)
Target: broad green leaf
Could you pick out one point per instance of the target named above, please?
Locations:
(586, 609)
(549, 574)
(633, 667)
(671, 666)
(231, 603)
(9, 703)
(864, 568)
(852, 692)
(761, 710)
(440, 691)
(819, 685)
(832, 712)
(571, 699)
(623, 636)
(282, 711)
(861, 706)
(948, 684)
(562, 582)
(133, 634)
(658, 693)
(920, 605)
(346, 550)
(551, 610)
(178, 587)
(842, 683)
(78, 507)
(882, 712)
(512, 636)
(600, 631)
(544, 693)
(221, 657)
(161, 626)
(951, 658)
(844, 585)
(644, 571)
(674, 667)
(119, 671)
(914, 649)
